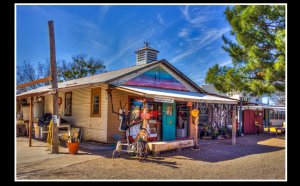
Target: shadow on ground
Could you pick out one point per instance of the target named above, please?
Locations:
(214, 151)
(220, 150)
(224, 150)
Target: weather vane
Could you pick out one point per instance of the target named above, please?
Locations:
(146, 43)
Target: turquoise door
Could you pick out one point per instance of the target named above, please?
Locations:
(169, 122)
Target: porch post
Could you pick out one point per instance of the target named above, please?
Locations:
(191, 127)
(196, 131)
(145, 111)
(233, 125)
(30, 121)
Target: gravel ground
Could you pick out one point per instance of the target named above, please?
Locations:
(253, 157)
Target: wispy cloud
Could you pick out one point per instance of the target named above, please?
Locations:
(127, 46)
(196, 77)
(69, 26)
(208, 48)
(39, 9)
(184, 33)
(114, 33)
(160, 19)
(103, 11)
(225, 63)
(196, 43)
(197, 16)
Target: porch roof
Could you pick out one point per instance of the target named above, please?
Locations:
(105, 78)
(176, 95)
(271, 107)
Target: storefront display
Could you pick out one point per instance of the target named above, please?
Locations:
(152, 116)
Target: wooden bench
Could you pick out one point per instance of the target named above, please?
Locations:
(274, 130)
(282, 130)
(159, 146)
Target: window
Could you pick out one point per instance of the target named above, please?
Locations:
(279, 115)
(68, 104)
(95, 102)
(169, 110)
(271, 114)
(276, 114)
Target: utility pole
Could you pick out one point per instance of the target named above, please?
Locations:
(54, 144)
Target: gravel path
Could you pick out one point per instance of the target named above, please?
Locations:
(253, 157)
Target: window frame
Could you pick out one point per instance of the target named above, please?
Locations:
(95, 91)
(271, 112)
(70, 114)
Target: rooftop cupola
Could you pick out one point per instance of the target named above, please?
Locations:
(146, 54)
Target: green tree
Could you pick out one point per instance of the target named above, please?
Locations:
(81, 66)
(258, 54)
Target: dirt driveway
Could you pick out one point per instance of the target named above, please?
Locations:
(253, 157)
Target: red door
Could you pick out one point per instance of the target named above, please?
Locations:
(249, 119)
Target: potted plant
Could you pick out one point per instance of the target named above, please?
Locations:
(226, 132)
(215, 134)
(205, 128)
(72, 142)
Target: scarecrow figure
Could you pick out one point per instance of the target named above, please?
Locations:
(195, 120)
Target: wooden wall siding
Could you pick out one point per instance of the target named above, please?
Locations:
(48, 103)
(48, 107)
(113, 121)
(93, 128)
(61, 108)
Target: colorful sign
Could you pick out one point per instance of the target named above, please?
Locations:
(158, 78)
(145, 116)
(163, 100)
(189, 104)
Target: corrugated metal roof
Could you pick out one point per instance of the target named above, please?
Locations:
(211, 89)
(109, 77)
(178, 95)
(99, 78)
(264, 107)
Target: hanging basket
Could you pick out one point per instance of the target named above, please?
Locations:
(73, 147)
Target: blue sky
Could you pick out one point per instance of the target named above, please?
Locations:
(188, 36)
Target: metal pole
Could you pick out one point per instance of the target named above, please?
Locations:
(241, 116)
(54, 147)
(233, 133)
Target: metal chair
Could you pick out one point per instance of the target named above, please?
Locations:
(136, 147)
(130, 147)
